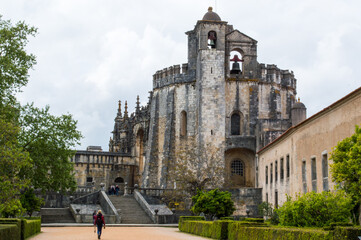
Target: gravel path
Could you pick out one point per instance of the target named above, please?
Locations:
(116, 233)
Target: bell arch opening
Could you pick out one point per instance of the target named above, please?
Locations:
(212, 39)
(236, 62)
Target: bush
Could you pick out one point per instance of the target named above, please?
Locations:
(9, 231)
(236, 231)
(214, 203)
(215, 230)
(10, 228)
(30, 202)
(30, 227)
(315, 209)
(265, 209)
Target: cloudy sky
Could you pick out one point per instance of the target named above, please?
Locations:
(92, 53)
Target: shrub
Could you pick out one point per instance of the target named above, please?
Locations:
(315, 209)
(30, 227)
(213, 203)
(30, 202)
(10, 231)
(265, 209)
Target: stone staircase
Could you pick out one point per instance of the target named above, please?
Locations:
(130, 210)
(56, 215)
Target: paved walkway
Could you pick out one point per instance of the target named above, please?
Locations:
(116, 233)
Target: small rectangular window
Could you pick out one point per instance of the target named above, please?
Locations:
(304, 182)
(314, 174)
(282, 169)
(288, 166)
(271, 173)
(89, 179)
(325, 172)
(276, 171)
(266, 174)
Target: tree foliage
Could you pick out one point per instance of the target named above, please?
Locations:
(15, 62)
(346, 166)
(315, 209)
(214, 203)
(30, 202)
(13, 163)
(48, 140)
(35, 146)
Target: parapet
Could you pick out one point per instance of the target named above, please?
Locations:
(170, 75)
(270, 73)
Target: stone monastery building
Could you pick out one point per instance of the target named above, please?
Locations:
(221, 100)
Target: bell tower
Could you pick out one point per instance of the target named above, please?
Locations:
(210, 34)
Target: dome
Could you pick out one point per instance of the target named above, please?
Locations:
(211, 16)
(298, 105)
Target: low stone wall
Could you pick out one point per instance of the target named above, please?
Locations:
(112, 215)
(94, 201)
(164, 214)
(246, 198)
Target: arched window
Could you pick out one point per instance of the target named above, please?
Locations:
(119, 180)
(183, 124)
(235, 124)
(212, 39)
(237, 168)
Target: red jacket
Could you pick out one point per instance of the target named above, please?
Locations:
(96, 218)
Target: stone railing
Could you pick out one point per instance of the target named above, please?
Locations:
(83, 207)
(159, 213)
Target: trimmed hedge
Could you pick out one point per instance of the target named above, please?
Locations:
(189, 218)
(24, 228)
(30, 227)
(14, 234)
(347, 233)
(216, 230)
(9, 231)
(237, 232)
(244, 230)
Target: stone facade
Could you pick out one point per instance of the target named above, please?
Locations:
(204, 104)
(298, 161)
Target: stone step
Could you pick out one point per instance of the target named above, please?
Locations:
(56, 215)
(130, 210)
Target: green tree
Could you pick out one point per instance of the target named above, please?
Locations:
(30, 202)
(315, 209)
(214, 203)
(13, 163)
(35, 146)
(346, 168)
(48, 139)
(15, 62)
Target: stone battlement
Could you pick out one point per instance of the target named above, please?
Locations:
(173, 74)
(272, 74)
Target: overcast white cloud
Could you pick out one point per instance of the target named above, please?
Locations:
(93, 53)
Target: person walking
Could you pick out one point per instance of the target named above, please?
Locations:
(99, 222)
(94, 219)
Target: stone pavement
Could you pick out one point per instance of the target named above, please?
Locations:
(116, 233)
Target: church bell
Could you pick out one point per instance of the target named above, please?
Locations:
(235, 68)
